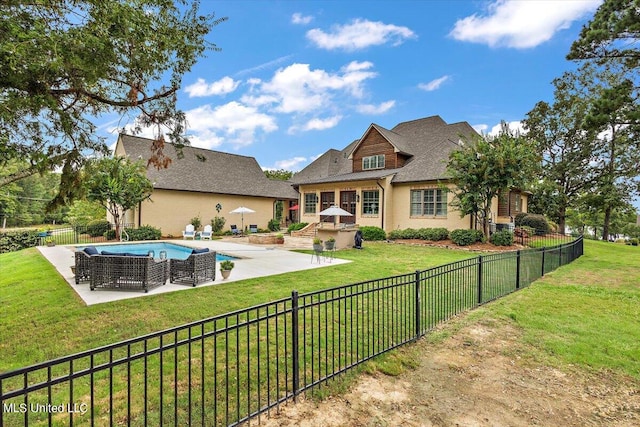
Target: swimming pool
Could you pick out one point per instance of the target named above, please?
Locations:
(173, 250)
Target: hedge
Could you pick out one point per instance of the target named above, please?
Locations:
(12, 241)
(535, 221)
(373, 233)
(433, 234)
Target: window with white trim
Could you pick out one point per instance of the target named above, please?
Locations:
(373, 162)
(370, 202)
(310, 203)
(431, 202)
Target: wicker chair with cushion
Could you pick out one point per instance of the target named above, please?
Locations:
(127, 272)
(83, 264)
(199, 267)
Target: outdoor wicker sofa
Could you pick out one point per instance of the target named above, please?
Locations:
(199, 267)
(83, 266)
(127, 272)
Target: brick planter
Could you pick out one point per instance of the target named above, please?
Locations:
(265, 239)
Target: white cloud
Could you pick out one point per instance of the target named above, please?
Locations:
(290, 164)
(316, 124)
(233, 123)
(433, 84)
(515, 126)
(359, 34)
(481, 128)
(221, 87)
(298, 89)
(521, 24)
(375, 109)
(300, 19)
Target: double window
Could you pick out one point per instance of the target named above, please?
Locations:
(373, 162)
(370, 202)
(432, 202)
(310, 203)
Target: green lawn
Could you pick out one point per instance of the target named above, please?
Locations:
(581, 316)
(584, 314)
(42, 317)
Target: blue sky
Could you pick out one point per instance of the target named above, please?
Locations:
(295, 78)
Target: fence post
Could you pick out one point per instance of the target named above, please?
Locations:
(417, 302)
(560, 264)
(480, 279)
(518, 269)
(544, 249)
(294, 345)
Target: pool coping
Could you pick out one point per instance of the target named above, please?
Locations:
(253, 262)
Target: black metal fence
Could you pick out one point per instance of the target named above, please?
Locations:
(78, 234)
(232, 368)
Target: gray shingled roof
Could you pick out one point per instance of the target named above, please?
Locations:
(428, 141)
(208, 171)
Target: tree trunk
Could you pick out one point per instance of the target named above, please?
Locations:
(485, 223)
(607, 220)
(562, 219)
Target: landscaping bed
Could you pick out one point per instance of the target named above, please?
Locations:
(448, 244)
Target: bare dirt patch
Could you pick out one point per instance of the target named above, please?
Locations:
(478, 377)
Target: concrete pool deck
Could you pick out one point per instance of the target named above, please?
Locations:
(254, 261)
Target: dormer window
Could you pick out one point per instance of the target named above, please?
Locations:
(373, 162)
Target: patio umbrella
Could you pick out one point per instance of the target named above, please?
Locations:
(242, 210)
(335, 211)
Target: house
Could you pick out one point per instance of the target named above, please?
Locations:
(395, 179)
(207, 184)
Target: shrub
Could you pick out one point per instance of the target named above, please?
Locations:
(373, 233)
(217, 224)
(463, 237)
(537, 222)
(274, 225)
(407, 233)
(433, 234)
(297, 226)
(634, 242)
(519, 217)
(17, 240)
(196, 222)
(146, 232)
(524, 231)
(502, 238)
(97, 227)
(110, 234)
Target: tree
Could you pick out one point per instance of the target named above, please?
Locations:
(118, 185)
(614, 117)
(64, 62)
(611, 36)
(280, 174)
(566, 148)
(484, 167)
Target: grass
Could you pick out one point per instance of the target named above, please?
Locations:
(43, 318)
(582, 315)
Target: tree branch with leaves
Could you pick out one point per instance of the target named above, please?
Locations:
(485, 166)
(68, 62)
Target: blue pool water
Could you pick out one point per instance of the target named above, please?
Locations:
(173, 251)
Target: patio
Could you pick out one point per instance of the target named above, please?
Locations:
(254, 261)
